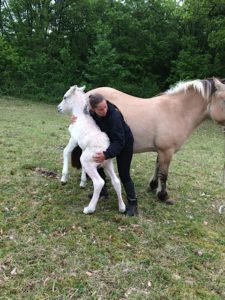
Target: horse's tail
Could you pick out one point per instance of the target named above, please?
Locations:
(75, 157)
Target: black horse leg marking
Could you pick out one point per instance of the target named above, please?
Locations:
(164, 159)
(162, 192)
(153, 184)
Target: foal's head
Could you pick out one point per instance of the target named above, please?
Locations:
(72, 100)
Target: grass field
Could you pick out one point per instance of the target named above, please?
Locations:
(50, 250)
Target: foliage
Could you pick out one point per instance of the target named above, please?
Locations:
(8, 65)
(102, 68)
(191, 62)
(137, 46)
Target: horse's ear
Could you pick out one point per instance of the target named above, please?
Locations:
(219, 85)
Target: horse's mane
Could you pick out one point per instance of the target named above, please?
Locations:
(205, 87)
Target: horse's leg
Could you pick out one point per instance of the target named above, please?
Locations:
(153, 183)
(66, 154)
(164, 158)
(116, 184)
(98, 184)
(83, 181)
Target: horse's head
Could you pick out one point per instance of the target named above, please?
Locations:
(73, 100)
(217, 105)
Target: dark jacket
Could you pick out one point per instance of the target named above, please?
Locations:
(119, 133)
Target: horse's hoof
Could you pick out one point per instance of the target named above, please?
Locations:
(63, 182)
(162, 196)
(82, 186)
(170, 201)
(153, 185)
(88, 210)
(149, 190)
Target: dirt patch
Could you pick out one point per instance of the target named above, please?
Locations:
(45, 172)
(41, 171)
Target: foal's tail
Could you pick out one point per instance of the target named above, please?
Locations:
(75, 157)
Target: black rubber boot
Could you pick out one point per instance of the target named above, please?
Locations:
(131, 208)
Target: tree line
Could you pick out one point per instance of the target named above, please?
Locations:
(137, 46)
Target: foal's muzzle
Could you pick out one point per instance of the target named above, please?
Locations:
(59, 109)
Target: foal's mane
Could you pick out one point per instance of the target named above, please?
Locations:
(205, 87)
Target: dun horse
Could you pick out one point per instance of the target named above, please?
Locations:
(162, 124)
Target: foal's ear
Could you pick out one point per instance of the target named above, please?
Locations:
(219, 85)
(73, 89)
(82, 88)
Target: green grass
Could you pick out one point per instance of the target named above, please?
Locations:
(50, 250)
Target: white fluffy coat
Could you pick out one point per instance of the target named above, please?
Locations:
(85, 133)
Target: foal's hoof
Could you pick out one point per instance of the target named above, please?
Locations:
(63, 182)
(221, 208)
(122, 209)
(88, 210)
(170, 201)
(82, 185)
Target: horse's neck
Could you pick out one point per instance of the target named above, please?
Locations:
(79, 105)
(78, 110)
(85, 120)
(194, 108)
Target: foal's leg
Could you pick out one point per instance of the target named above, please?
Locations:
(83, 181)
(116, 184)
(153, 183)
(98, 183)
(164, 158)
(66, 154)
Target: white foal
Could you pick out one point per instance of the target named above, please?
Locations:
(85, 133)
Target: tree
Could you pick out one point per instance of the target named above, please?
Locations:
(102, 67)
(192, 62)
(202, 40)
(8, 66)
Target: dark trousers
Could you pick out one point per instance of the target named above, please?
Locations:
(123, 165)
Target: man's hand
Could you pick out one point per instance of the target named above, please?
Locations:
(99, 157)
(73, 119)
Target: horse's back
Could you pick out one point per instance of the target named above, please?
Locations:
(116, 96)
(158, 123)
(140, 114)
